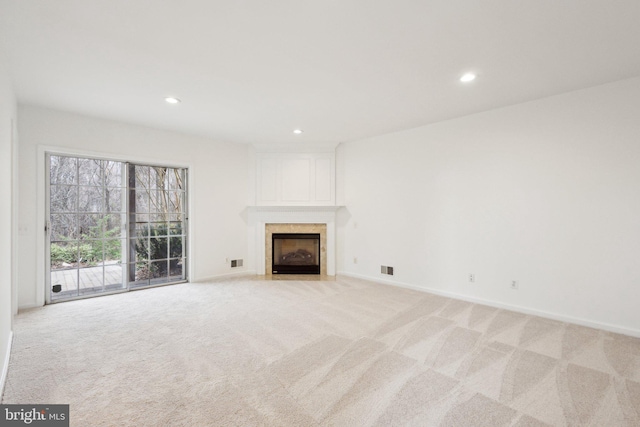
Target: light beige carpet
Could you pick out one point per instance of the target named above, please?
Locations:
(301, 353)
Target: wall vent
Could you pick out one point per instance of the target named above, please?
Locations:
(386, 270)
(236, 263)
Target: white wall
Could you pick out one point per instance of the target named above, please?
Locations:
(7, 120)
(218, 186)
(546, 193)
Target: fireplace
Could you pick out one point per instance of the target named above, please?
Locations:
(295, 253)
(268, 220)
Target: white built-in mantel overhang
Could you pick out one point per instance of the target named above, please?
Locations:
(259, 216)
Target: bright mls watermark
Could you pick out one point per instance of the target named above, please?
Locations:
(34, 415)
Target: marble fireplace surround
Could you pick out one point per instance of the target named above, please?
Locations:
(320, 229)
(294, 219)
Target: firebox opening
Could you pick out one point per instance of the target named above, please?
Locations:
(295, 253)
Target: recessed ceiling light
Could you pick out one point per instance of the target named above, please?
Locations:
(297, 131)
(172, 100)
(468, 77)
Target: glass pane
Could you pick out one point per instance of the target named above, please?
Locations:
(158, 248)
(159, 218)
(141, 175)
(174, 202)
(113, 200)
(113, 249)
(90, 226)
(158, 200)
(142, 218)
(158, 178)
(63, 198)
(64, 284)
(90, 199)
(175, 179)
(142, 229)
(159, 272)
(176, 271)
(91, 279)
(175, 217)
(141, 201)
(63, 227)
(63, 170)
(90, 172)
(90, 253)
(114, 276)
(113, 225)
(142, 249)
(112, 173)
(158, 227)
(175, 247)
(140, 272)
(64, 255)
(175, 228)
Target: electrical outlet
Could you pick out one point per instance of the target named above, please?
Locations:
(514, 284)
(355, 259)
(472, 278)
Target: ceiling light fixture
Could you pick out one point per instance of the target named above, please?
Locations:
(297, 131)
(468, 77)
(172, 100)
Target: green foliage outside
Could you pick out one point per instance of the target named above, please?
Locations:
(89, 252)
(155, 248)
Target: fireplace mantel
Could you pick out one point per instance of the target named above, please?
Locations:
(259, 216)
(293, 208)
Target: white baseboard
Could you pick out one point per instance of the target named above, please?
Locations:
(5, 365)
(225, 276)
(29, 307)
(526, 310)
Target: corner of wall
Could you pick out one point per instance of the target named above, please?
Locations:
(5, 365)
(8, 110)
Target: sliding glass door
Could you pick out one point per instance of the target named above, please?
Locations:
(157, 239)
(86, 234)
(113, 226)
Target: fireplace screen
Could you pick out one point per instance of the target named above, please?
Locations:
(295, 253)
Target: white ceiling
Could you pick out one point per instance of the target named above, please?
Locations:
(251, 71)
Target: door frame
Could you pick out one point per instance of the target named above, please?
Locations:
(42, 195)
